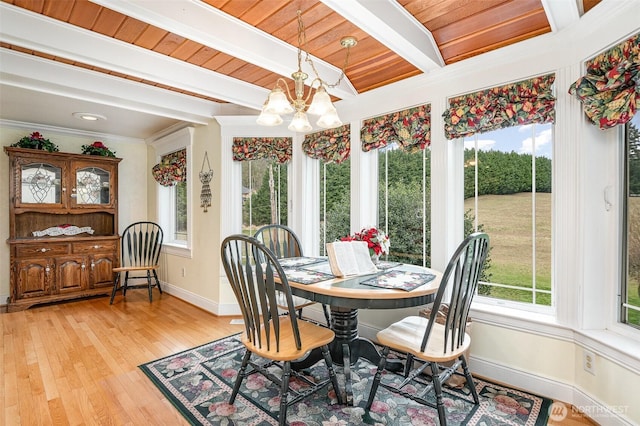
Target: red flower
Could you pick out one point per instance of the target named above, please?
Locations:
(98, 144)
(36, 135)
(377, 241)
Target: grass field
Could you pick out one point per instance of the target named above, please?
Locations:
(508, 221)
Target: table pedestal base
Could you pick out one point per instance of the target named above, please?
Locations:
(347, 348)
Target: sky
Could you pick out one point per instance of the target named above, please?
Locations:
(519, 139)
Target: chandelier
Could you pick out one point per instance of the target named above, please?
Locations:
(279, 103)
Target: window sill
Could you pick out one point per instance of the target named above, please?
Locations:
(177, 250)
(623, 349)
(518, 319)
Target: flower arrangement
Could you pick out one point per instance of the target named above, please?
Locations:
(376, 239)
(97, 148)
(36, 141)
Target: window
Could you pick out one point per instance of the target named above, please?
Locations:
(404, 186)
(402, 139)
(630, 291)
(332, 148)
(173, 174)
(335, 202)
(264, 194)
(500, 199)
(179, 198)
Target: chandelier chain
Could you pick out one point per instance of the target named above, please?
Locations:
(302, 45)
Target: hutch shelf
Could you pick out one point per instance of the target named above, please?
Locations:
(63, 226)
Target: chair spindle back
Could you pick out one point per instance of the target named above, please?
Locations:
(462, 275)
(281, 240)
(252, 270)
(141, 244)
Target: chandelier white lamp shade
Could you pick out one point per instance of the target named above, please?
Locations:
(280, 102)
(268, 119)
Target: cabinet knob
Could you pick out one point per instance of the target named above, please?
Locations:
(96, 247)
(93, 265)
(47, 269)
(44, 250)
(84, 266)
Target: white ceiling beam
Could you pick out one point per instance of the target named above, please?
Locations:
(211, 27)
(391, 24)
(77, 44)
(57, 78)
(561, 13)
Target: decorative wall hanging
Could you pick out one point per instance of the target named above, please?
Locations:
(205, 178)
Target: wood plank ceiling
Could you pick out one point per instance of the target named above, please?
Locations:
(456, 29)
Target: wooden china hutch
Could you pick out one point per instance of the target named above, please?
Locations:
(63, 226)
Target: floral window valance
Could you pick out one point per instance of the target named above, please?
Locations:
(410, 128)
(610, 91)
(171, 169)
(247, 149)
(525, 102)
(330, 146)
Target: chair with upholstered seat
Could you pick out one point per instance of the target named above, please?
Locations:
(284, 243)
(140, 247)
(432, 343)
(255, 275)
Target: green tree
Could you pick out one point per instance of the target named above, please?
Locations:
(261, 201)
(405, 223)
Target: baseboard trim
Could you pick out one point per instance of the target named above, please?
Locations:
(603, 415)
(202, 302)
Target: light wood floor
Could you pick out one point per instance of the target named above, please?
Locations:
(77, 363)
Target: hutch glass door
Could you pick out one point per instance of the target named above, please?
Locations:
(40, 184)
(92, 186)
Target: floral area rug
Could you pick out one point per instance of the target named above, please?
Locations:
(198, 382)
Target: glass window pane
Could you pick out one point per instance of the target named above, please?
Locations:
(335, 202)
(404, 188)
(500, 200)
(180, 191)
(630, 306)
(264, 194)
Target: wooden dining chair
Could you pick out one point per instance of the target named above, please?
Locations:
(424, 340)
(140, 247)
(284, 242)
(255, 275)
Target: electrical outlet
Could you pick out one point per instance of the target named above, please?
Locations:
(184, 272)
(589, 361)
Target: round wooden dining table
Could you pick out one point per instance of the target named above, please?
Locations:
(346, 296)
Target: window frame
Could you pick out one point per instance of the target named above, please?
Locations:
(383, 152)
(623, 283)
(165, 196)
(506, 303)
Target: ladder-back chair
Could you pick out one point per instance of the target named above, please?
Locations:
(140, 247)
(283, 242)
(255, 275)
(425, 340)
